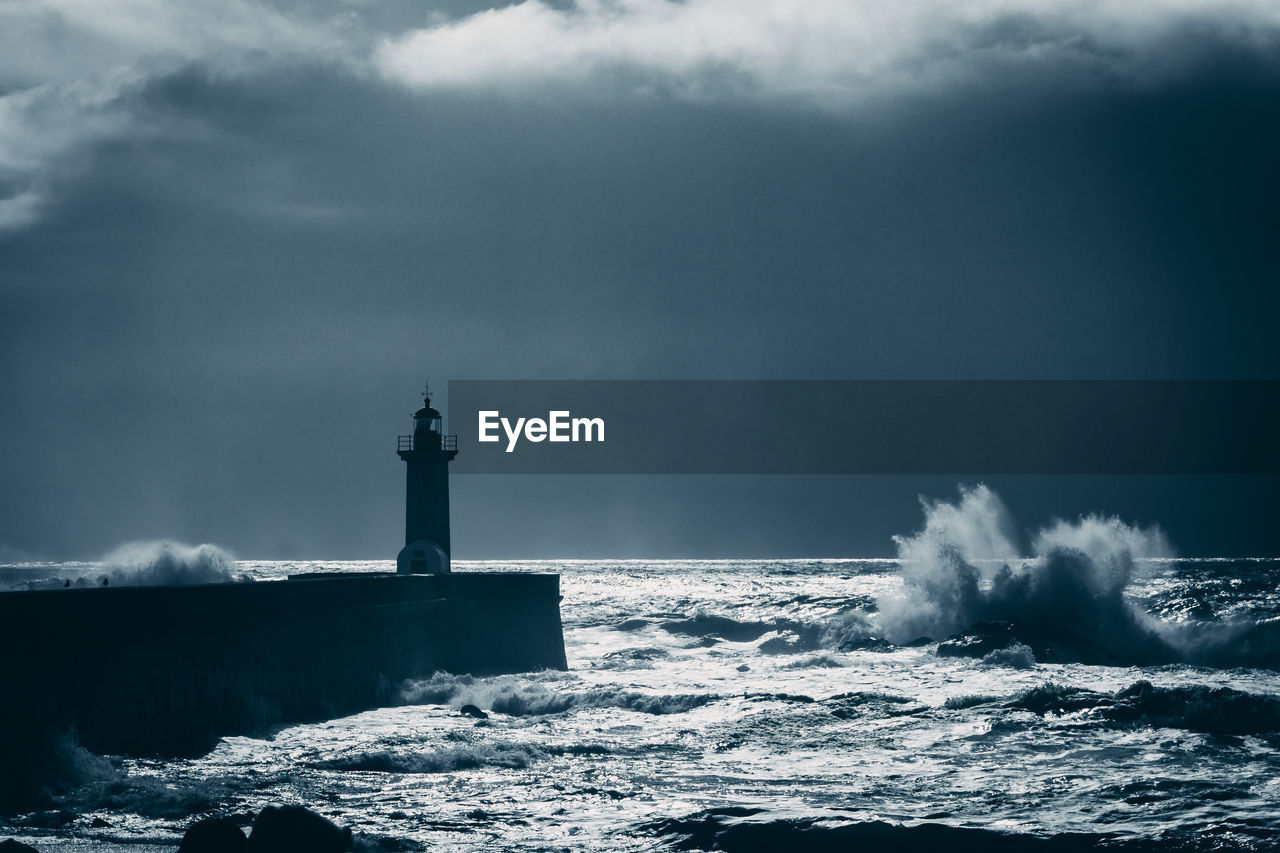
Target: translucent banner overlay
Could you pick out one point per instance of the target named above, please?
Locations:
(865, 427)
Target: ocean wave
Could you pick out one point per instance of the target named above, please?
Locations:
(522, 698)
(1015, 656)
(39, 763)
(735, 829)
(703, 624)
(1052, 698)
(863, 703)
(797, 698)
(1149, 791)
(1236, 643)
(153, 798)
(636, 624)
(1198, 707)
(846, 631)
(969, 700)
(52, 773)
(633, 658)
(815, 662)
(778, 646)
(164, 563)
(465, 756)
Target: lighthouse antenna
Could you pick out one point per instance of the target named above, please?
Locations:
(426, 388)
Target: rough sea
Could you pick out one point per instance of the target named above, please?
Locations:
(787, 704)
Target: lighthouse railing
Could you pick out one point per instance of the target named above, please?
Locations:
(447, 442)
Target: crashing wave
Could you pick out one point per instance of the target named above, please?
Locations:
(1066, 601)
(168, 564)
(150, 563)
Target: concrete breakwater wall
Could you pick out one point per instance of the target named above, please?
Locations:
(169, 670)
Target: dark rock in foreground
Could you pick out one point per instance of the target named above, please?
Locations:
(9, 845)
(214, 835)
(292, 828)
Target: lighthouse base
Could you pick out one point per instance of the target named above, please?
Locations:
(423, 557)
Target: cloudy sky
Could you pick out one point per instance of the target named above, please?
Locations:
(235, 236)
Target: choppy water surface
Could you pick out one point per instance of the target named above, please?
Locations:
(761, 685)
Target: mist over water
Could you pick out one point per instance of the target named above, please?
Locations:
(747, 704)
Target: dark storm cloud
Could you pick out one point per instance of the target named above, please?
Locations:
(223, 292)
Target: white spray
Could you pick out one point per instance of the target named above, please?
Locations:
(964, 567)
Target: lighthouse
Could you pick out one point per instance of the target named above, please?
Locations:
(427, 454)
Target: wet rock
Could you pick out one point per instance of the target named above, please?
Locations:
(284, 829)
(9, 845)
(979, 641)
(99, 823)
(743, 668)
(473, 711)
(214, 835)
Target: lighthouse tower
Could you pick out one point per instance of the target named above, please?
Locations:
(427, 454)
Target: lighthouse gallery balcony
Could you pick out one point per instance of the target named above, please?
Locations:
(447, 442)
